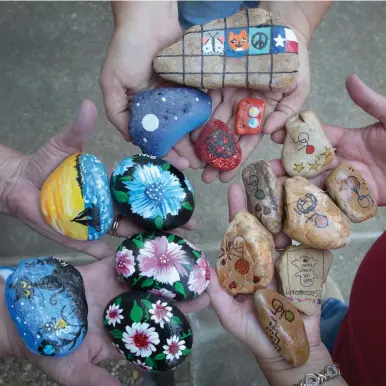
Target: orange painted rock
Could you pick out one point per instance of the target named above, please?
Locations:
(349, 190)
(283, 325)
(245, 263)
(250, 116)
(218, 146)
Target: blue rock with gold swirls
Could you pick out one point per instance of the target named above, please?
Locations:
(75, 199)
(47, 302)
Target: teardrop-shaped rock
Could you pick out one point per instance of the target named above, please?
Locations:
(307, 151)
(245, 263)
(264, 195)
(151, 333)
(351, 193)
(161, 117)
(301, 273)
(218, 146)
(249, 49)
(47, 302)
(75, 199)
(153, 193)
(163, 264)
(283, 325)
(312, 218)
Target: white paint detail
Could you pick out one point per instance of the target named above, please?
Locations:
(163, 99)
(279, 41)
(253, 112)
(150, 122)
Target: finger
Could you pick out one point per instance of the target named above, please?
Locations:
(277, 167)
(366, 98)
(209, 174)
(236, 200)
(92, 375)
(185, 148)
(281, 240)
(181, 163)
(194, 305)
(278, 136)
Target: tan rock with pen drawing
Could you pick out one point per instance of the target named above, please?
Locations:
(350, 191)
(306, 151)
(245, 263)
(312, 218)
(301, 272)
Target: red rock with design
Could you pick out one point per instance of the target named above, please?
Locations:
(218, 146)
(250, 116)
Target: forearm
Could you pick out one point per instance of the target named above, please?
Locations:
(281, 373)
(304, 16)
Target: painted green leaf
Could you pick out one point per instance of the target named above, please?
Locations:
(147, 283)
(175, 320)
(186, 352)
(117, 333)
(171, 238)
(136, 313)
(197, 254)
(181, 242)
(150, 362)
(187, 206)
(159, 222)
(166, 166)
(159, 357)
(105, 322)
(138, 243)
(180, 288)
(118, 301)
(126, 178)
(120, 196)
(147, 303)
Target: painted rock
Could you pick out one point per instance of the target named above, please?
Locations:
(283, 325)
(249, 49)
(307, 151)
(312, 218)
(245, 263)
(349, 190)
(250, 116)
(5, 272)
(264, 195)
(164, 262)
(152, 192)
(150, 332)
(301, 273)
(75, 199)
(161, 117)
(218, 146)
(47, 302)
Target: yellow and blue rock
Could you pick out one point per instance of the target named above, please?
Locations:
(75, 199)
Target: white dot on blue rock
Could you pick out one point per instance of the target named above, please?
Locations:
(150, 122)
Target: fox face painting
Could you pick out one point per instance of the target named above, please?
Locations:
(238, 42)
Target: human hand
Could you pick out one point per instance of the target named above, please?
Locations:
(22, 177)
(80, 368)
(363, 148)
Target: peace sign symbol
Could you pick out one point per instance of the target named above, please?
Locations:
(259, 40)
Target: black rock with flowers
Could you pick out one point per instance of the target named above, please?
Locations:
(150, 332)
(163, 264)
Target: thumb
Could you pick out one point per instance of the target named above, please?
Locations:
(93, 375)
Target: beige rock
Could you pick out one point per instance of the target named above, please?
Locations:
(349, 190)
(301, 272)
(245, 263)
(208, 57)
(312, 218)
(307, 151)
(283, 325)
(264, 195)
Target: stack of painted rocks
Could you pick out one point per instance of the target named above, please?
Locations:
(310, 216)
(159, 267)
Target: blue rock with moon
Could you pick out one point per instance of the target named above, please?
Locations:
(47, 302)
(161, 117)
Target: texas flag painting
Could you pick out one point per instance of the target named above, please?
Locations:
(283, 40)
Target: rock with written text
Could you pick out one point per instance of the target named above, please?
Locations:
(150, 332)
(163, 264)
(307, 151)
(47, 302)
(250, 116)
(350, 191)
(250, 49)
(301, 273)
(245, 263)
(75, 199)
(161, 117)
(218, 146)
(283, 325)
(264, 195)
(152, 192)
(312, 218)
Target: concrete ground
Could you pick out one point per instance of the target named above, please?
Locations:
(50, 58)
